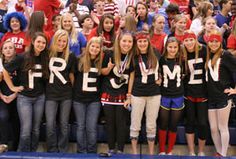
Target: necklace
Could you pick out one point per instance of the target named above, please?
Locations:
(123, 65)
(142, 65)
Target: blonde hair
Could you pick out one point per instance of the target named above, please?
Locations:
(117, 50)
(85, 58)
(5, 42)
(202, 9)
(73, 34)
(177, 18)
(197, 47)
(130, 23)
(53, 48)
(216, 55)
(153, 22)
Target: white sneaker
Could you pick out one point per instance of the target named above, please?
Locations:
(170, 153)
(162, 153)
(201, 154)
(192, 154)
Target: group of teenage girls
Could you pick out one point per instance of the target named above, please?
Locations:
(192, 76)
(165, 77)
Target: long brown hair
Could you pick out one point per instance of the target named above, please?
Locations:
(152, 58)
(29, 63)
(85, 58)
(36, 23)
(217, 54)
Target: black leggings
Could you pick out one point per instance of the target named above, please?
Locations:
(116, 126)
(196, 116)
(169, 119)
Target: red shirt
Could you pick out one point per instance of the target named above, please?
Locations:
(157, 41)
(180, 37)
(183, 5)
(50, 8)
(48, 35)
(17, 39)
(231, 42)
(108, 43)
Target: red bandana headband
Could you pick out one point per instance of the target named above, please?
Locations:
(216, 37)
(141, 36)
(189, 35)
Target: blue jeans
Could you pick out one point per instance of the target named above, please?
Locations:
(57, 143)
(30, 110)
(87, 117)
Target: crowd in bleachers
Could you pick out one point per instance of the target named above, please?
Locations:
(119, 59)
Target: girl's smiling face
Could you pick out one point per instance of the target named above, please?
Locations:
(126, 43)
(214, 45)
(15, 24)
(172, 49)
(67, 23)
(189, 43)
(61, 43)
(142, 45)
(181, 25)
(94, 49)
(39, 44)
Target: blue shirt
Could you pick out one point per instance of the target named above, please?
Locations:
(76, 48)
(220, 19)
(141, 22)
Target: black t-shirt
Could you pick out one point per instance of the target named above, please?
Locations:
(33, 82)
(59, 86)
(115, 83)
(145, 78)
(220, 77)
(3, 86)
(195, 80)
(172, 83)
(87, 87)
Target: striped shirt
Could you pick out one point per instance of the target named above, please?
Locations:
(110, 8)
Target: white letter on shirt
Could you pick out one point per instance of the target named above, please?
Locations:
(55, 70)
(34, 74)
(87, 80)
(167, 73)
(194, 72)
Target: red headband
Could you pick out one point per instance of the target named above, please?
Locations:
(216, 37)
(189, 35)
(141, 36)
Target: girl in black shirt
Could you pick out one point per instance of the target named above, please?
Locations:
(59, 91)
(220, 67)
(172, 91)
(87, 91)
(195, 92)
(32, 73)
(144, 85)
(116, 69)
